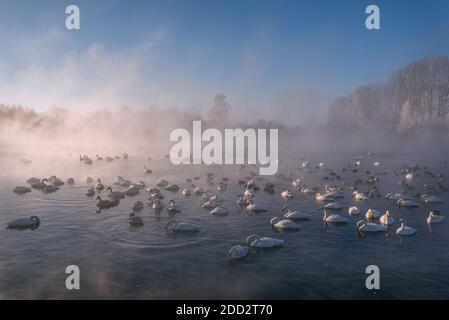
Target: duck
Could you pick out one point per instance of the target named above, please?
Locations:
(135, 221)
(70, 181)
(156, 204)
(404, 230)
(21, 190)
(24, 223)
(334, 218)
(372, 214)
(284, 224)
(237, 252)
(90, 192)
(435, 217)
(174, 226)
(253, 207)
(198, 191)
(131, 191)
(364, 226)
(186, 192)
(294, 215)
(222, 186)
(387, 219)
(219, 211)
(114, 194)
(162, 183)
(354, 211)
(256, 241)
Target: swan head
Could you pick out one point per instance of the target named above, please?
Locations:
(252, 238)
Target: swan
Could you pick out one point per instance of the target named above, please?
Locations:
(219, 211)
(333, 206)
(162, 183)
(387, 219)
(265, 242)
(24, 223)
(172, 207)
(409, 176)
(296, 183)
(147, 171)
(90, 192)
(21, 190)
(33, 180)
(55, 181)
(252, 207)
(211, 203)
(286, 194)
(174, 226)
(237, 252)
(131, 191)
(106, 204)
(334, 218)
(372, 214)
(99, 185)
(405, 230)
(322, 197)
(364, 226)
(140, 185)
(152, 190)
(407, 203)
(435, 217)
(172, 187)
(431, 199)
(284, 224)
(138, 206)
(359, 196)
(294, 215)
(354, 211)
(39, 185)
(186, 192)
(198, 191)
(377, 163)
(135, 221)
(114, 194)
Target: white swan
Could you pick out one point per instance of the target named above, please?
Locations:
(237, 252)
(334, 218)
(294, 215)
(364, 226)
(131, 191)
(435, 217)
(219, 211)
(387, 219)
(322, 197)
(372, 214)
(359, 196)
(333, 206)
(266, 242)
(354, 211)
(172, 187)
(404, 230)
(253, 207)
(407, 203)
(284, 224)
(174, 226)
(24, 223)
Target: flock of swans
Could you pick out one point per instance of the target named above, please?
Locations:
(327, 196)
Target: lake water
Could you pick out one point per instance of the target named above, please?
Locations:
(118, 261)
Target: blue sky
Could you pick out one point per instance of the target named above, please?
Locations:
(270, 58)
